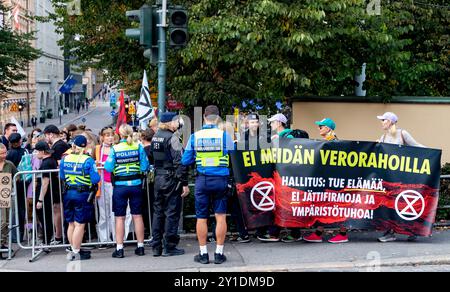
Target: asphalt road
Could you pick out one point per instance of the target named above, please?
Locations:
(362, 253)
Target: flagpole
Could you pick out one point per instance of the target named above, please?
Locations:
(65, 80)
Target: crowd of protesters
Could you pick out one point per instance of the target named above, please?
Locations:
(44, 150)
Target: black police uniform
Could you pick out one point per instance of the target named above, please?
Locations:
(170, 177)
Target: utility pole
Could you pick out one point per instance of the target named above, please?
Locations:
(152, 35)
(162, 56)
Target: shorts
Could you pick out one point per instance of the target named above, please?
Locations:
(76, 207)
(210, 190)
(121, 196)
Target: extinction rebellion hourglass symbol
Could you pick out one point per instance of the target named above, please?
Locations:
(414, 201)
(260, 196)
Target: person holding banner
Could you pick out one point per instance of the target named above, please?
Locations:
(279, 125)
(234, 205)
(209, 149)
(326, 130)
(253, 139)
(394, 135)
(127, 161)
(81, 177)
(171, 185)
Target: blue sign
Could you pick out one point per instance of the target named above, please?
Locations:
(113, 113)
(112, 98)
(83, 120)
(68, 85)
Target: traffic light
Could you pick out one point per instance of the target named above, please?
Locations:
(178, 26)
(144, 33)
(21, 106)
(152, 53)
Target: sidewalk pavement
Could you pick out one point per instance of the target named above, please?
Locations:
(65, 119)
(362, 253)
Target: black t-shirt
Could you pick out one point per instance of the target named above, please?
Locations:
(48, 164)
(59, 148)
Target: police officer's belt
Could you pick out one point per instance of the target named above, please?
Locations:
(79, 188)
(163, 172)
(127, 178)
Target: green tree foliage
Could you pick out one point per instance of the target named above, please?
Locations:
(16, 52)
(427, 71)
(275, 49)
(267, 50)
(96, 39)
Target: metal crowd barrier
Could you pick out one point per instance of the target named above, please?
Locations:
(447, 176)
(39, 234)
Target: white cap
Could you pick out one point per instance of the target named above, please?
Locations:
(389, 116)
(278, 117)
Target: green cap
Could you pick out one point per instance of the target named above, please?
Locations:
(328, 123)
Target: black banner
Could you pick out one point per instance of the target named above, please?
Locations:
(360, 185)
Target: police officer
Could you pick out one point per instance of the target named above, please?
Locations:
(80, 174)
(209, 149)
(171, 184)
(127, 162)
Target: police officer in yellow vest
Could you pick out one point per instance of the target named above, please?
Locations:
(127, 162)
(209, 148)
(80, 174)
(171, 184)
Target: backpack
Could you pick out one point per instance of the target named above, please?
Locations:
(25, 165)
(297, 133)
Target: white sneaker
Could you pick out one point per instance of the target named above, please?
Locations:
(70, 256)
(55, 242)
